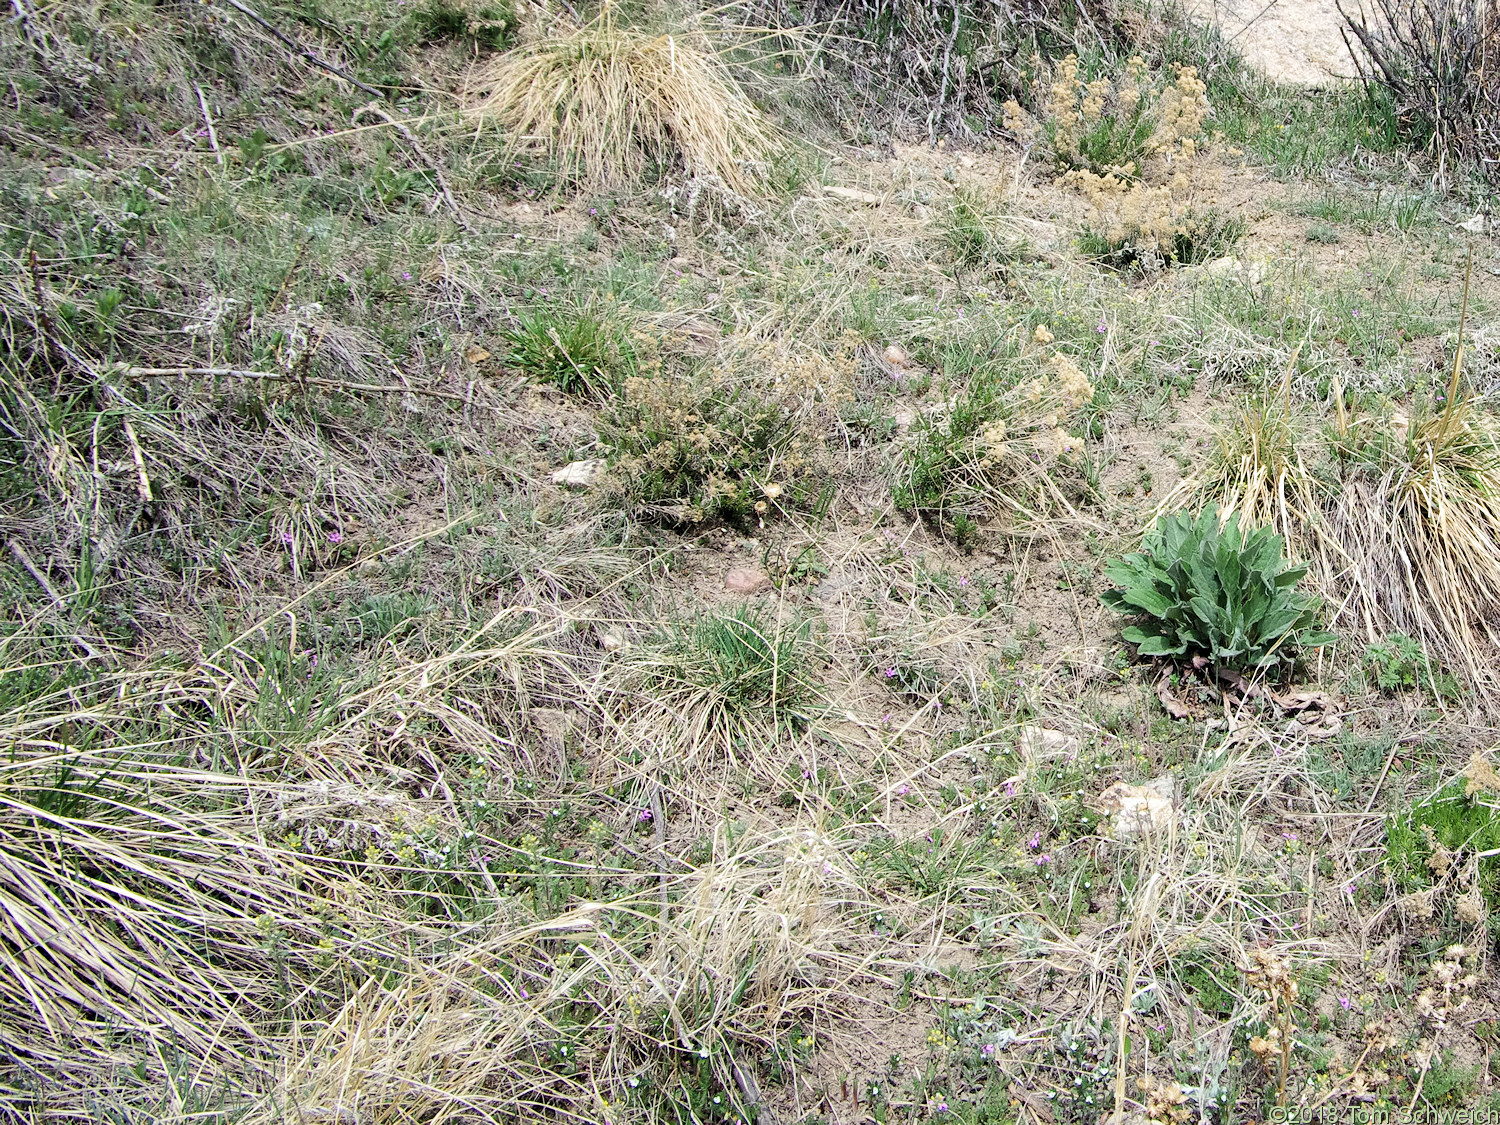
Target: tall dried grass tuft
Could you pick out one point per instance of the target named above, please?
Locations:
(1421, 530)
(604, 103)
(1257, 471)
(653, 994)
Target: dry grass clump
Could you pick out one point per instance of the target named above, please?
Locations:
(606, 103)
(666, 995)
(721, 683)
(1420, 524)
(1258, 472)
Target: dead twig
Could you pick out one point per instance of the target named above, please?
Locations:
(238, 373)
(375, 110)
(208, 122)
(291, 44)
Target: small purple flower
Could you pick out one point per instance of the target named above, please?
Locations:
(286, 538)
(964, 580)
(1349, 889)
(1010, 787)
(593, 210)
(890, 673)
(1043, 859)
(940, 1107)
(1035, 841)
(335, 537)
(1101, 328)
(1356, 314)
(524, 994)
(1345, 1003)
(644, 816)
(988, 1051)
(903, 789)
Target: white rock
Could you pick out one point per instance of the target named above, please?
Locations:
(853, 195)
(1044, 742)
(1139, 810)
(579, 474)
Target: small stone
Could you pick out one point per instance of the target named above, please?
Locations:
(896, 356)
(853, 195)
(579, 474)
(745, 580)
(1137, 810)
(1038, 742)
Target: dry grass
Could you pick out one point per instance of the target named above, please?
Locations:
(363, 774)
(605, 102)
(1421, 528)
(1258, 471)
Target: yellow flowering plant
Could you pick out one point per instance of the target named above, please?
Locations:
(1136, 148)
(1132, 126)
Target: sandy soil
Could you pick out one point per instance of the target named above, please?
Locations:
(1291, 40)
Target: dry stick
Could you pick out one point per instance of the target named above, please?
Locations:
(208, 121)
(943, 94)
(239, 373)
(1458, 351)
(143, 482)
(43, 316)
(57, 600)
(303, 51)
(31, 568)
(1391, 757)
(411, 139)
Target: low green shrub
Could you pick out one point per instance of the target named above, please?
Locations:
(1453, 827)
(1209, 588)
(739, 442)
